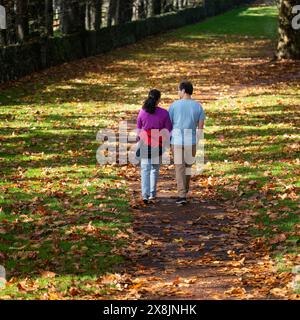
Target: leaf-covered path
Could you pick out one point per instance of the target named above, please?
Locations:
(205, 250)
(202, 251)
(66, 230)
(199, 251)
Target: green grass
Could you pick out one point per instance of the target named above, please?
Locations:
(253, 22)
(52, 189)
(259, 154)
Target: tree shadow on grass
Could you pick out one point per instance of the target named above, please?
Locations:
(54, 232)
(51, 190)
(125, 75)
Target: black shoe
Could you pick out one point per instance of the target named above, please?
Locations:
(181, 201)
(146, 201)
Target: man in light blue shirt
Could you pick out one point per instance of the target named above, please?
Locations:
(187, 115)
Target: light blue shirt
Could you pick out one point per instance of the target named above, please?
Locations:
(185, 115)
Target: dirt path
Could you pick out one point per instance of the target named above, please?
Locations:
(203, 250)
(198, 251)
(190, 245)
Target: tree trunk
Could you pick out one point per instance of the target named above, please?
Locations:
(112, 10)
(156, 7)
(120, 11)
(289, 30)
(72, 18)
(49, 17)
(142, 9)
(124, 11)
(3, 31)
(9, 35)
(167, 6)
(22, 26)
(93, 14)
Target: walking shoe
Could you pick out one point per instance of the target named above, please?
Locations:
(181, 201)
(146, 201)
(152, 198)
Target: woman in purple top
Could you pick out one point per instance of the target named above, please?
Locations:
(154, 126)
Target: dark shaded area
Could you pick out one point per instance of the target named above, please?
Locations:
(19, 60)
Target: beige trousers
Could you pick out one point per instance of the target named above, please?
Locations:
(184, 158)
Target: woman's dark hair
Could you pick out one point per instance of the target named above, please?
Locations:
(151, 102)
(187, 87)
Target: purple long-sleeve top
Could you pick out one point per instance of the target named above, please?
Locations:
(160, 119)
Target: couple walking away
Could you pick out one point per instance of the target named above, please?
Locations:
(156, 126)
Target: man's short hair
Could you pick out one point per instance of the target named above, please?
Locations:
(187, 87)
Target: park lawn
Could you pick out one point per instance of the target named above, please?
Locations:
(252, 138)
(253, 153)
(63, 218)
(258, 22)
